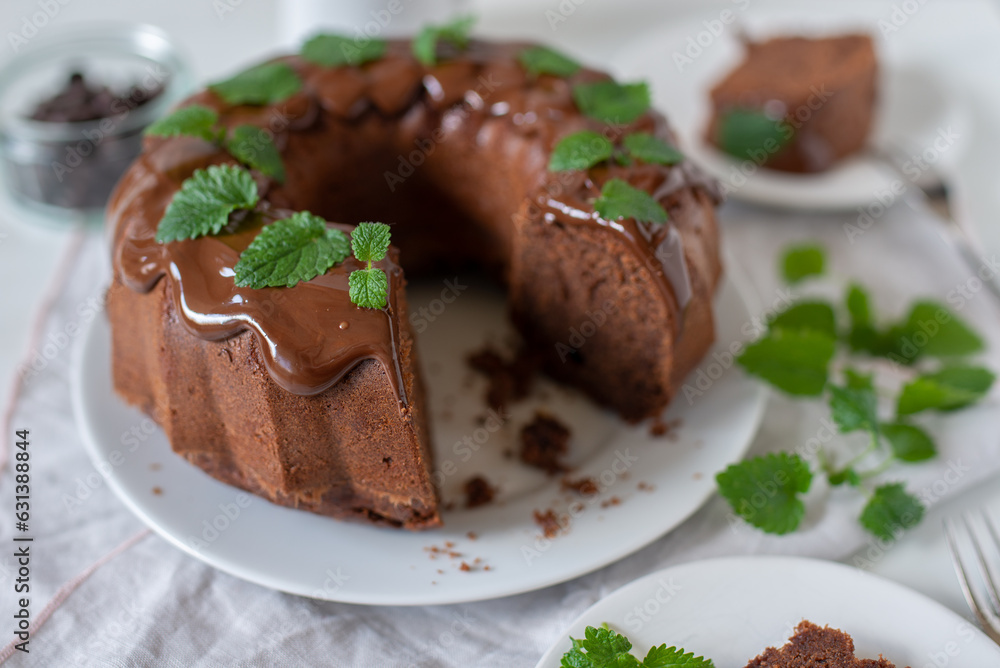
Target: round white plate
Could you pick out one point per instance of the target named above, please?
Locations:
(730, 610)
(651, 483)
(916, 107)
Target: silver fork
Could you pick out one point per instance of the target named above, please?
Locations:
(978, 542)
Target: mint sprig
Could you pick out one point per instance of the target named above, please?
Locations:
(747, 133)
(268, 83)
(456, 33)
(291, 250)
(909, 442)
(612, 102)
(195, 120)
(369, 287)
(332, 50)
(801, 262)
(651, 149)
(204, 202)
(253, 146)
(948, 389)
(814, 316)
(543, 60)
(890, 510)
(795, 361)
(765, 491)
(620, 200)
(604, 648)
(580, 150)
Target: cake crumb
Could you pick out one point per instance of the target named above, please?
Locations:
(487, 568)
(478, 492)
(697, 476)
(465, 567)
(509, 380)
(613, 501)
(646, 487)
(583, 486)
(157, 491)
(668, 428)
(155, 466)
(471, 535)
(543, 442)
(548, 522)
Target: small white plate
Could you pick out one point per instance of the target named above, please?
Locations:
(730, 610)
(916, 108)
(657, 481)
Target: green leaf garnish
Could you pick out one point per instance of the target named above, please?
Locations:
(800, 262)
(932, 330)
(746, 134)
(909, 443)
(456, 33)
(268, 83)
(604, 648)
(193, 121)
(543, 60)
(291, 250)
(812, 316)
(949, 389)
(854, 409)
(204, 202)
(620, 200)
(794, 361)
(890, 510)
(252, 146)
(580, 150)
(334, 50)
(859, 381)
(765, 490)
(862, 336)
(368, 287)
(612, 102)
(651, 149)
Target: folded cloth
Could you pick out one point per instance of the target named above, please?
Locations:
(155, 605)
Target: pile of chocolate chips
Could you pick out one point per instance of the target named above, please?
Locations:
(80, 173)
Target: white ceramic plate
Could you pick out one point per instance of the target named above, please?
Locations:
(916, 106)
(306, 554)
(730, 609)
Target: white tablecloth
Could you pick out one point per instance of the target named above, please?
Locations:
(154, 605)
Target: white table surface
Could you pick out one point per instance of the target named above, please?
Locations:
(28, 254)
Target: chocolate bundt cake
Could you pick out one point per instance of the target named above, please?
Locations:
(815, 647)
(301, 396)
(818, 95)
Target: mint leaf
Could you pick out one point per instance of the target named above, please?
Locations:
(932, 330)
(612, 102)
(854, 409)
(862, 336)
(794, 361)
(620, 200)
(425, 44)
(651, 149)
(859, 305)
(335, 50)
(543, 60)
(204, 202)
(909, 443)
(858, 381)
(252, 146)
(368, 287)
(746, 134)
(193, 121)
(949, 389)
(580, 150)
(268, 83)
(291, 250)
(674, 657)
(600, 648)
(891, 510)
(813, 316)
(370, 241)
(801, 262)
(765, 490)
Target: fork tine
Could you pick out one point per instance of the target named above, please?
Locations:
(988, 620)
(984, 568)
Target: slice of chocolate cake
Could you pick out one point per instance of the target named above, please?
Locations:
(816, 647)
(797, 104)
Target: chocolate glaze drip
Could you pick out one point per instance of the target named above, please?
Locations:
(311, 335)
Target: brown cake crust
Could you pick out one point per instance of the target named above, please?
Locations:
(826, 86)
(816, 647)
(263, 388)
